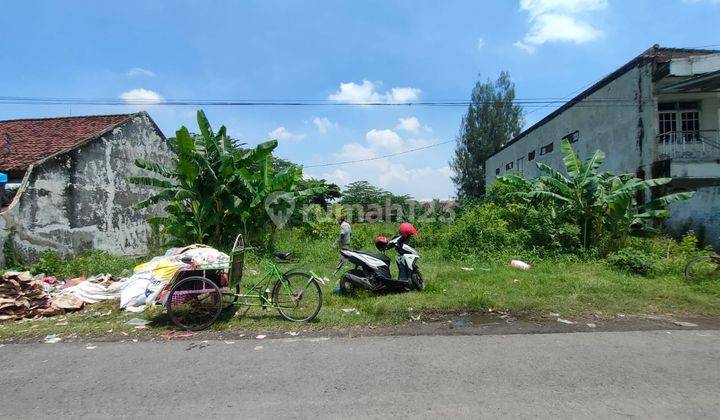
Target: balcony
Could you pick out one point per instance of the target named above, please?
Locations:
(701, 145)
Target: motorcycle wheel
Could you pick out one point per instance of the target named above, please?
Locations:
(347, 287)
(417, 281)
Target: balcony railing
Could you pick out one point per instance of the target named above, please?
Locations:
(691, 145)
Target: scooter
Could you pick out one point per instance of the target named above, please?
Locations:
(372, 271)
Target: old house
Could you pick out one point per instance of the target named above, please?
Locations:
(656, 116)
(71, 177)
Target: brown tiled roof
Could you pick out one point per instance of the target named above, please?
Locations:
(24, 142)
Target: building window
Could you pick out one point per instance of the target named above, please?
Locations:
(509, 166)
(572, 137)
(546, 150)
(497, 171)
(678, 122)
(531, 155)
(520, 164)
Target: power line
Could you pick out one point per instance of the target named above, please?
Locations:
(347, 162)
(25, 100)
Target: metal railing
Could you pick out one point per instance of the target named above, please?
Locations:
(692, 145)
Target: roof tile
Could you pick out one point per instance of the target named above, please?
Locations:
(24, 142)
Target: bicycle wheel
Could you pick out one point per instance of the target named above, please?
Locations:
(194, 303)
(702, 268)
(297, 296)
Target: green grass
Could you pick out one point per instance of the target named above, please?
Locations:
(569, 286)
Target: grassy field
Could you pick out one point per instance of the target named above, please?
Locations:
(569, 286)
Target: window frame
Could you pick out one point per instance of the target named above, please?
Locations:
(544, 149)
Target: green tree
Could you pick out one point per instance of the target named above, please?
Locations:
(216, 189)
(603, 204)
(362, 194)
(492, 119)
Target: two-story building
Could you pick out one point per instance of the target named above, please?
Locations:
(656, 116)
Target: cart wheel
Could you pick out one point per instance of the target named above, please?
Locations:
(230, 296)
(194, 303)
(297, 296)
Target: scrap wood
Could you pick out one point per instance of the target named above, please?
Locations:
(24, 296)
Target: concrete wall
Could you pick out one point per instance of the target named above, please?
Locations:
(701, 213)
(81, 199)
(619, 130)
(627, 135)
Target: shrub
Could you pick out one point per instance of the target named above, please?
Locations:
(88, 264)
(633, 261)
(480, 230)
(48, 263)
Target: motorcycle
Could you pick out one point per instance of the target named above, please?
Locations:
(372, 271)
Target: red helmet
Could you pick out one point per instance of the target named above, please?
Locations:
(381, 243)
(407, 230)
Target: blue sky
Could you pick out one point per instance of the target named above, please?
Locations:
(340, 51)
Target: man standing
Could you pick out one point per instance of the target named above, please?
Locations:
(343, 242)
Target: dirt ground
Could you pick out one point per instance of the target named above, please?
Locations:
(477, 323)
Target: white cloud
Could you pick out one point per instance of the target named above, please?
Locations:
(282, 133)
(525, 47)
(402, 95)
(410, 124)
(142, 96)
(139, 71)
(323, 124)
(366, 92)
(480, 43)
(559, 21)
(396, 175)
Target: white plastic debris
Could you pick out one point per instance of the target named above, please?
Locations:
(519, 264)
(137, 322)
(591, 325)
(88, 347)
(684, 324)
(292, 333)
(52, 339)
(258, 347)
(467, 269)
(350, 310)
(261, 336)
(565, 321)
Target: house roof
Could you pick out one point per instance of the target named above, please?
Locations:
(24, 142)
(661, 56)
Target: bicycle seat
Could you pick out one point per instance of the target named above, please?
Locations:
(282, 255)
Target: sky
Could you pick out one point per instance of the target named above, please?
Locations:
(334, 51)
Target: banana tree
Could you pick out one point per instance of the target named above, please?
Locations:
(602, 203)
(214, 188)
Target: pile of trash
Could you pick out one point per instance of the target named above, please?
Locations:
(25, 296)
(22, 296)
(150, 280)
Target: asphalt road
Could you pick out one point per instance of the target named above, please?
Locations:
(650, 374)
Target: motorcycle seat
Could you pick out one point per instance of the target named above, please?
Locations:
(380, 256)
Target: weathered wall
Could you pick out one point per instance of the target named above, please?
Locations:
(81, 199)
(619, 130)
(701, 213)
